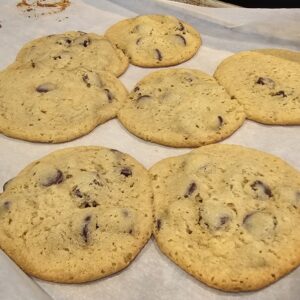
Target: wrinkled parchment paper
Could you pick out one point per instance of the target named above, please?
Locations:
(224, 31)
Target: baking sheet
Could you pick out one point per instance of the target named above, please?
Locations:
(224, 31)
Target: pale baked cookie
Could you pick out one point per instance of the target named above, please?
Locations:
(155, 40)
(181, 108)
(228, 215)
(75, 49)
(76, 215)
(56, 105)
(281, 53)
(268, 86)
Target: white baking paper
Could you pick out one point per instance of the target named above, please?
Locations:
(224, 31)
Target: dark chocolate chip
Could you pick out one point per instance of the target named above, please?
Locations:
(266, 81)
(143, 97)
(46, 87)
(158, 55)
(126, 172)
(256, 185)
(158, 224)
(190, 190)
(221, 121)
(85, 229)
(97, 226)
(57, 178)
(68, 41)
(183, 40)
(109, 95)
(85, 79)
(56, 57)
(32, 64)
(86, 43)
(136, 89)
(279, 93)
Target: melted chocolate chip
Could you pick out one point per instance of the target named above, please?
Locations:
(32, 64)
(126, 172)
(158, 54)
(224, 220)
(46, 87)
(86, 43)
(158, 224)
(259, 185)
(279, 93)
(143, 97)
(109, 95)
(85, 79)
(68, 41)
(56, 178)
(181, 38)
(85, 229)
(190, 190)
(266, 81)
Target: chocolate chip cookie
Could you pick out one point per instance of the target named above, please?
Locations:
(155, 40)
(75, 49)
(76, 215)
(266, 84)
(228, 215)
(56, 105)
(281, 53)
(181, 108)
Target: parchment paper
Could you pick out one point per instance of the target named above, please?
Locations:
(224, 31)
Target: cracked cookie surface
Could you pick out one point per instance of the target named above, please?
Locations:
(56, 105)
(228, 215)
(76, 215)
(266, 83)
(155, 40)
(181, 108)
(74, 49)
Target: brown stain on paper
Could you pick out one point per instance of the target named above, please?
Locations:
(61, 5)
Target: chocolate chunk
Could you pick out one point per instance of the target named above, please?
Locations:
(126, 172)
(181, 39)
(85, 79)
(190, 190)
(260, 186)
(143, 97)
(158, 224)
(221, 121)
(266, 81)
(46, 87)
(109, 95)
(56, 178)
(279, 93)
(158, 55)
(85, 230)
(5, 185)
